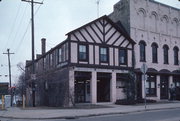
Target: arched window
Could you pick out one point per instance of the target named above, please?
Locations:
(175, 27)
(166, 54)
(164, 24)
(142, 47)
(176, 58)
(141, 17)
(154, 18)
(154, 53)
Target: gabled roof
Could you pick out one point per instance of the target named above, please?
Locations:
(118, 27)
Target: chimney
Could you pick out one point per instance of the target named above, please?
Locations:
(43, 45)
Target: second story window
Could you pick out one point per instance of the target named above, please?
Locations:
(166, 55)
(176, 57)
(123, 56)
(154, 53)
(44, 63)
(82, 52)
(103, 54)
(142, 47)
(59, 55)
(51, 59)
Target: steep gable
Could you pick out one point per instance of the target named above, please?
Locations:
(102, 31)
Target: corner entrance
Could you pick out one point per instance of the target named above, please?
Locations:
(82, 87)
(164, 87)
(103, 87)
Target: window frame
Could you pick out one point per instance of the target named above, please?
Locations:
(166, 54)
(154, 53)
(44, 63)
(125, 56)
(107, 55)
(86, 53)
(142, 55)
(59, 55)
(51, 59)
(154, 80)
(176, 55)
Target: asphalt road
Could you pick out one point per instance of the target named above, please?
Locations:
(163, 115)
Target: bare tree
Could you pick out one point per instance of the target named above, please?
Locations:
(21, 67)
(21, 84)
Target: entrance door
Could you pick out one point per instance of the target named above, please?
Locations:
(103, 87)
(176, 80)
(164, 87)
(79, 91)
(82, 87)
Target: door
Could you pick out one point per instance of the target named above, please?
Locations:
(103, 87)
(79, 91)
(176, 80)
(164, 87)
(139, 86)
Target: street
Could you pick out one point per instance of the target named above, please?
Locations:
(163, 115)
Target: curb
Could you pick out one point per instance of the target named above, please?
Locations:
(91, 115)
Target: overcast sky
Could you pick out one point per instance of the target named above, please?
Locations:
(53, 20)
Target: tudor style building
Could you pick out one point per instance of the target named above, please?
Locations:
(87, 67)
(155, 28)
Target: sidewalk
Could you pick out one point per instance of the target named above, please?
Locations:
(54, 113)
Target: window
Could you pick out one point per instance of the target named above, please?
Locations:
(51, 59)
(66, 51)
(44, 63)
(63, 53)
(47, 61)
(176, 81)
(82, 52)
(176, 58)
(123, 56)
(142, 46)
(103, 54)
(59, 55)
(154, 53)
(166, 56)
(151, 85)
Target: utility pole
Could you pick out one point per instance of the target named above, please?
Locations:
(33, 63)
(9, 63)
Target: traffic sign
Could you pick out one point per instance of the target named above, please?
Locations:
(144, 68)
(33, 76)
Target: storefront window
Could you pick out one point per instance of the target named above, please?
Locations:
(151, 85)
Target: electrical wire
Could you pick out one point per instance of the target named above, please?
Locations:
(19, 26)
(13, 25)
(22, 39)
(38, 8)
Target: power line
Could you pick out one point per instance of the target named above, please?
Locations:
(21, 40)
(38, 8)
(23, 37)
(13, 25)
(19, 26)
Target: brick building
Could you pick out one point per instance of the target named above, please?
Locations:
(155, 28)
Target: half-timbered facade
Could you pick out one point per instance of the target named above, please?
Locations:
(87, 67)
